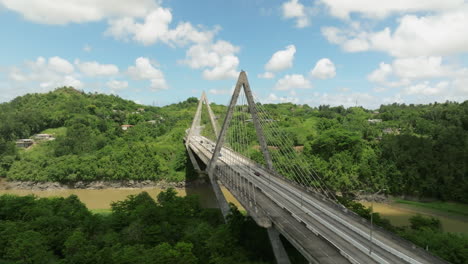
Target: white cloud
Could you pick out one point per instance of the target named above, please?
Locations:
(344, 99)
(217, 59)
(78, 11)
(266, 75)
(324, 69)
(429, 35)
(425, 88)
(60, 65)
(295, 10)
(144, 70)
(116, 85)
(381, 74)
(420, 67)
(155, 28)
(381, 9)
(93, 68)
(405, 70)
(425, 79)
(45, 74)
(281, 60)
(274, 99)
(293, 81)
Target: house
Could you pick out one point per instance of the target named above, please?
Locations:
(140, 109)
(153, 122)
(125, 127)
(24, 143)
(44, 137)
(374, 121)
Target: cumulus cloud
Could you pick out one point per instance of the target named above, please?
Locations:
(46, 74)
(292, 81)
(93, 68)
(266, 75)
(143, 21)
(381, 9)
(273, 99)
(155, 28)
(217, 59)
(281, 60)
(293, 9)
(405, 70)
(344, 99)
(324, 69)
(381, 74)
(428, 35)
(78, 11)
(60, 65)
(145, 70)
(116, 85)
(424, 88)
(425, 78)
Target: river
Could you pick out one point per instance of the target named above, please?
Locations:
(102, 199)
(398, 214)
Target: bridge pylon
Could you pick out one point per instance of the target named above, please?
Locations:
(212, 167)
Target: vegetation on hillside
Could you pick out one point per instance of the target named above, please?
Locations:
(90, 144)
(171, 230)
(415, 150)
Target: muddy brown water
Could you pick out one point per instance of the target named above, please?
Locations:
(102, 199)
(399, 215)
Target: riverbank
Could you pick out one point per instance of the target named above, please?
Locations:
(399, 214)
(95, 185)
(100, 199)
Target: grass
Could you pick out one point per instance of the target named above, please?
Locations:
(448, 207)
(101, 211)
(61, 131)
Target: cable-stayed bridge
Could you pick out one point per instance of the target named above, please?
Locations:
(260, 165)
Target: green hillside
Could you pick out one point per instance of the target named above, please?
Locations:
(416, 150)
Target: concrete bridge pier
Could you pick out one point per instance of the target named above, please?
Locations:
(278, 248)
(193, 160)
(222, 202)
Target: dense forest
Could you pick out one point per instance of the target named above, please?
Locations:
(171, 230)
(415, 150)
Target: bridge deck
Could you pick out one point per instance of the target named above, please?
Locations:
(317, 227)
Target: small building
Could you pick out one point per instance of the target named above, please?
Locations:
(125, 127)
(24, 143)
(140, 109)
(374, 121)
(153, 122)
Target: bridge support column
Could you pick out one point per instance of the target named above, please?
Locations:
(278, 248)
(193, 160)
(223, 204)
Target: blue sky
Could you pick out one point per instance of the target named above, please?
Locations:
(334, 52)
